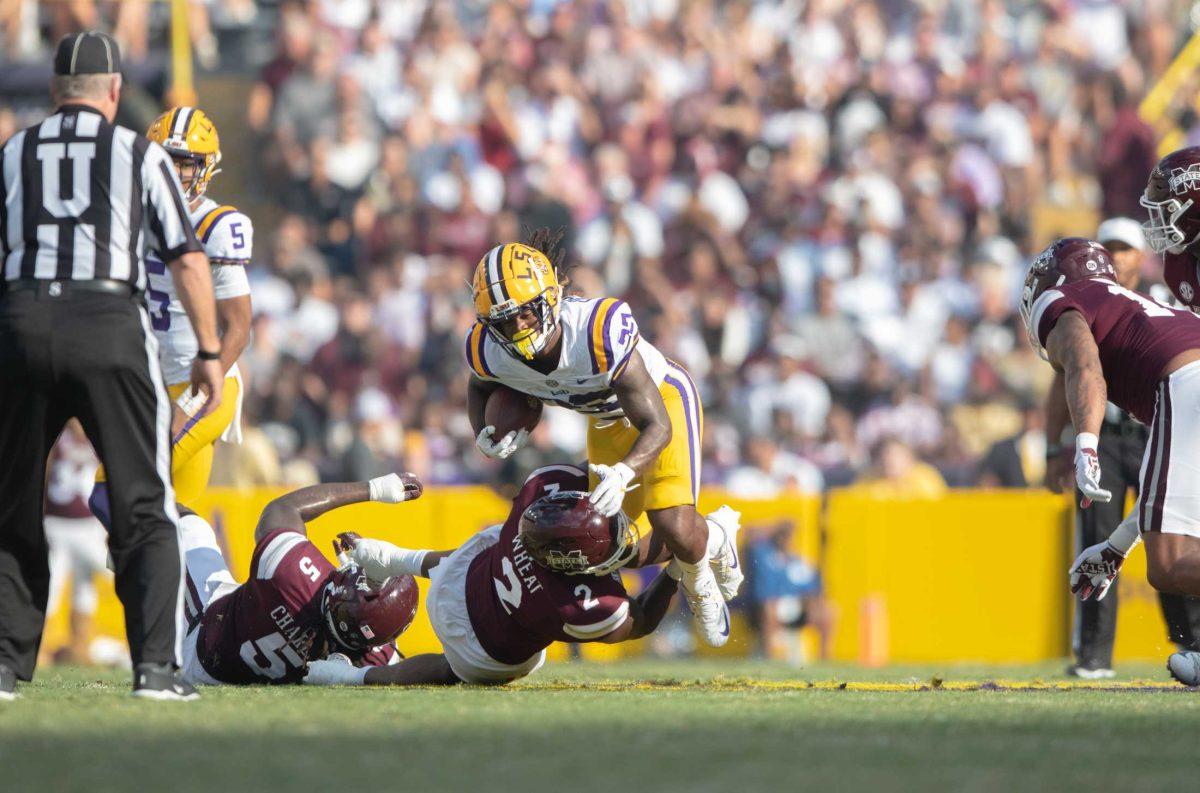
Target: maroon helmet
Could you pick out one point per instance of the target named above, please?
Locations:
(1172, 199)
(1064, 261)
(563, 532)
(360, 614)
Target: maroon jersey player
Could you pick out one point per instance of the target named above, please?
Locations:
(294, 606)
(547, 574)
(1114, 344)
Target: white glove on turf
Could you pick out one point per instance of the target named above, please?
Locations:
(336, 670)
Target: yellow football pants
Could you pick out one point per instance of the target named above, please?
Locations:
(192, 447)
(674, 478)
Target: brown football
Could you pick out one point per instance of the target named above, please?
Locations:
(508, 410)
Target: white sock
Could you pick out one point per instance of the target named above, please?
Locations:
(690, 573)
(716, 539)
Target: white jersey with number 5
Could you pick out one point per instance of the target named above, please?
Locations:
(228, 237)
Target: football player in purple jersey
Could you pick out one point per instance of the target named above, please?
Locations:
(549, 573)
(1114, 344)
(295, 606)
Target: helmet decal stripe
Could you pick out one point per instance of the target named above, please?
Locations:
(494, 277)
(174, 120)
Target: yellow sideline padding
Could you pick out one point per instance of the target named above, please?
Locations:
(973, 576)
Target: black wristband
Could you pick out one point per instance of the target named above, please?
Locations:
(1053, 451)
(204, 355)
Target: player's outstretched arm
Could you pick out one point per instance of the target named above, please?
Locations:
(421, 670)
(294, 510)
(644, 408)
(381, 560)
(646, 610)
(1072, 349)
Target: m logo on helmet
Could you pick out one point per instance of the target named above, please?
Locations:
(572, 560)
(1183, 180)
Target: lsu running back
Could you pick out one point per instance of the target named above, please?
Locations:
(645, 416)
(227, 235)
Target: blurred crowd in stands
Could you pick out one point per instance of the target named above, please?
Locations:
(823, 209)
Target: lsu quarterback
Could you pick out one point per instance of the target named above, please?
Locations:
(190, 137)
(645, 420)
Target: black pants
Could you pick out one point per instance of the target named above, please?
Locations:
(90, 355)
(1121, 449)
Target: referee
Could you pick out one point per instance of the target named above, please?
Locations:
(81, 200)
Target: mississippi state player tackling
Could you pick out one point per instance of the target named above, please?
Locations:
(1114, 344)
(294, 606)
(548, 574)
(645, 418)
(227, 235)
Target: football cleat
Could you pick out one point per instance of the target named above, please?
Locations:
(161, 682)
(1185, 667)
(8, 684)
(710, 613)
(1090, 672)
(725, 563)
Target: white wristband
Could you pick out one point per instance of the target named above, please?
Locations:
(1086, 440)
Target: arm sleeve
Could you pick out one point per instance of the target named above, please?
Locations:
(475, 349)
(229, 248)
(613, 335)
(171, 229)
(1046, 311)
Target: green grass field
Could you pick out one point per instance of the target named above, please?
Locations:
(658, 726)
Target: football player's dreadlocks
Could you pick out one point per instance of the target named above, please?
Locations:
(549, 242)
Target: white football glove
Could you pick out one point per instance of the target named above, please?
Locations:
(336, 670)
(395, 488)
(1094, 571)
(503, 448)
(1087, 470)
(610, 490)
(378, 559)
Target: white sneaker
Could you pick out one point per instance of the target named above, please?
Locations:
(1090, 673)
(709, 611)
(1185, 667)
(725, 563)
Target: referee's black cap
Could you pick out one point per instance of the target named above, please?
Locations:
(89, 52)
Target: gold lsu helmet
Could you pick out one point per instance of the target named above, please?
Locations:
(509, 280)
(187, 133)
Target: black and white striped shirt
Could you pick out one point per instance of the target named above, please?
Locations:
(82, 199)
